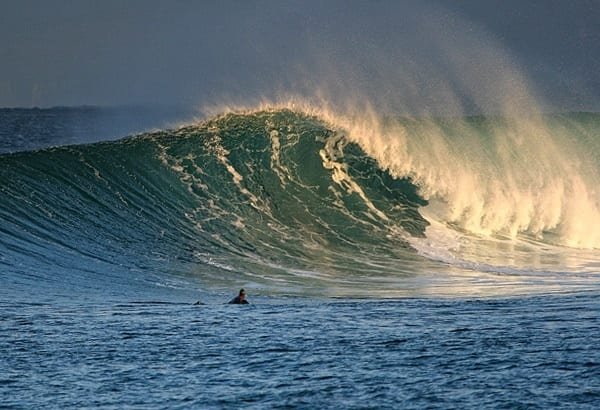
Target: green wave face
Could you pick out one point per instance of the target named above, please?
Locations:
(277, 199)
(272, 195)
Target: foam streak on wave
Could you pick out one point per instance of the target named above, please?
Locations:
(285, 198)
(533, 175)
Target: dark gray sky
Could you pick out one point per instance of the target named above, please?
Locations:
(114, 52)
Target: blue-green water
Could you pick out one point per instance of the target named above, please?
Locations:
(399, 263)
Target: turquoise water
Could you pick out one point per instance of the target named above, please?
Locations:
(441, 262)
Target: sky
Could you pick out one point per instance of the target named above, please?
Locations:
(403, 54)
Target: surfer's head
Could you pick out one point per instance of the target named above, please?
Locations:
(242, 294)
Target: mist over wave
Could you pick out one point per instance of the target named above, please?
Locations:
(459, 118)
(373, 167)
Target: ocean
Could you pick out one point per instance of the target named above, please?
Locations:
(390, 261)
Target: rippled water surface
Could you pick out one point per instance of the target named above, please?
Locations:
(533, 352)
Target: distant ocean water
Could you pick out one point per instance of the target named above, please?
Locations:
(403, 262)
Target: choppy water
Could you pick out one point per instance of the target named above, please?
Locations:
(398, 263)
(538, 352)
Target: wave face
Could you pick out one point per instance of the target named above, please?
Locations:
(291, 201)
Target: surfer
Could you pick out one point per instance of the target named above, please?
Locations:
(240, 299)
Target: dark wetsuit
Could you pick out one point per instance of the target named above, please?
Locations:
(237, 301)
